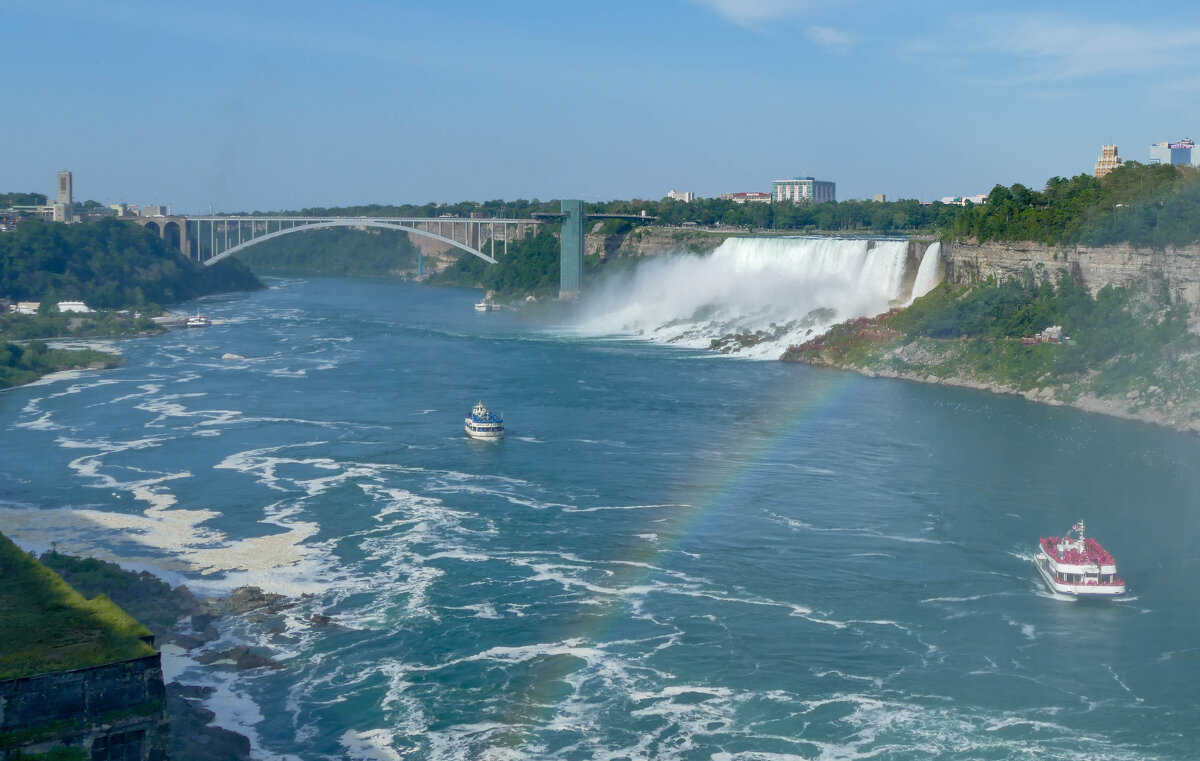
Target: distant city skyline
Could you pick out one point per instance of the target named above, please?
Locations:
(275, 106)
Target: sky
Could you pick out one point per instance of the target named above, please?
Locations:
(271, 105)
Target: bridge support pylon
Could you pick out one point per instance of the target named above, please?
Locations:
(570, 268)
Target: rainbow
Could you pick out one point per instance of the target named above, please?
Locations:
(721, 491)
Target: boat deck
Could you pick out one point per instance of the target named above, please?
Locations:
(1092, 554)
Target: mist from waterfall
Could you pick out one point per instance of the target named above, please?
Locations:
(751, 296)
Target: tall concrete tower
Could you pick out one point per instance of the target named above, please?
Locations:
(570, 273)
(65, 191)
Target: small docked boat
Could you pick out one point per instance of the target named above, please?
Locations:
(484, 424)
(1077, 565)
(198, 321)
(486, 306)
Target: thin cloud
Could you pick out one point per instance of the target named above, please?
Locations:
(1061, 49)
(829, 37)
(751, 13)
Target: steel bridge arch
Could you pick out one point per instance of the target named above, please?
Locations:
(361, 222)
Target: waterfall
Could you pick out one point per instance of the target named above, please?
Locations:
(927, 274)
(751, 296)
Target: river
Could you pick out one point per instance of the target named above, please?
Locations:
(671, 555)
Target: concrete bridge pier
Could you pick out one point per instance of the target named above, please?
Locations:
(174, 230)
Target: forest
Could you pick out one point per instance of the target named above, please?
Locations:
(108, 265)
(1146, 205)
(836, 216)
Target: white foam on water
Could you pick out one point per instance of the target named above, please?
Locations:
(780, 290)
(573, 509)
(41, 423)
(370, 745)
(52, 378)
(174, 542)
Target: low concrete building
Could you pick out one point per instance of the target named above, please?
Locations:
(963, 200)
(751, 196)
(74, 306)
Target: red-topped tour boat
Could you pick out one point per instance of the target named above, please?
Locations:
(1077, 565)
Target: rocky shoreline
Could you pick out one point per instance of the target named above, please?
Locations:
(1155, 406)
(178, 618)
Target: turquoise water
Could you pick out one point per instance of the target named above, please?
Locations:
(671, 555)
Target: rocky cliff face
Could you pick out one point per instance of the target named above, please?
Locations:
(648, 241)
(1120, 265)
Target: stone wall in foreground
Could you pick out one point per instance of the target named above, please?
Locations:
(117, 710)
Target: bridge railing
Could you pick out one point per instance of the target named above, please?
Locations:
(209, 239)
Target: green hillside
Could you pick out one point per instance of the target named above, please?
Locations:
(107, 264)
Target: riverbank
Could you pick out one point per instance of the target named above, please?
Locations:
(1167, 398)
(20, 365)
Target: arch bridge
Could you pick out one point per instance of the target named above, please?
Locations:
(213, 238)
(209, 239)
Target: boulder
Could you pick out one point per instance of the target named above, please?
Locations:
(245, 599)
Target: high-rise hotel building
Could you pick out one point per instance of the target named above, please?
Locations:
(1176, 154)
(803, 190)
(1108, 161)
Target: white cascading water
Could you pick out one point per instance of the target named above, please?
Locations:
(752, 296)
(927, 274)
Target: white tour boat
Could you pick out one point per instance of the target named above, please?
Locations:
(486, 306)
(484, 424)
(1077, 565)
(198, 321)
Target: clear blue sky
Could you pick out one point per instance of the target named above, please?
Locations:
(272, 105)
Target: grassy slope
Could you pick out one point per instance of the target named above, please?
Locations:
(45, 625)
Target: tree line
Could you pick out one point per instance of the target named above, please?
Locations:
(1146, 205)
(107, 264)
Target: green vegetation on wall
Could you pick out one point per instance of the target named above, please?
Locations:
(1118, 341)
(529, 267)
